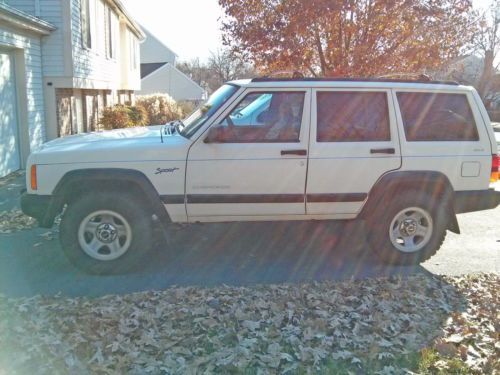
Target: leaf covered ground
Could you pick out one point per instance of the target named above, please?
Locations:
(420, 324)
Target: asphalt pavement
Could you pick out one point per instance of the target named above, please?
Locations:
(31, 261)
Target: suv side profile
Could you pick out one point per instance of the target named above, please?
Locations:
(406, 156)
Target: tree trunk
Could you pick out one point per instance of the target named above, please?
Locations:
(321, 54)
(486, 75)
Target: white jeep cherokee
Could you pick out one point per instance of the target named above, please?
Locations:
(405, 156)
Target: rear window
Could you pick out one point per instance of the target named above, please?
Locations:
(437, 117)
(352, 116)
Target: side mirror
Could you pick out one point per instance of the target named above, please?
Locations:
(215, 134)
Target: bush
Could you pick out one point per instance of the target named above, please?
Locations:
(123, 116)
(138, 115)
(187, 108)
(115, 117)
(160, 108)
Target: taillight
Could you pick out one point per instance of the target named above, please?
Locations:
(495, 168)
(34, 182)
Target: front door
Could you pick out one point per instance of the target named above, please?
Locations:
(252, 162)
(354, 141)
(9, 136)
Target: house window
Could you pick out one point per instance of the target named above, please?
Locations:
(110, 35)
(133, 51)
(86, 28)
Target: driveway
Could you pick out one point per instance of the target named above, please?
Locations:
(31, 261)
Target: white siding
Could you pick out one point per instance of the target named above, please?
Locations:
(30, 45)
(52, 45)
(169, 80)
(27, 6)
(93, 64)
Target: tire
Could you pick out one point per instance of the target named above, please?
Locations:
(410, 230)
(107, 233)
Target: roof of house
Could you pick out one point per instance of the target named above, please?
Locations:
(150, 35)
(147, 69)
(161, 66)
(153, 50)
(24, 20)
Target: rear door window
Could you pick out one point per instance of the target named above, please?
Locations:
(352, 116)
(437, 117)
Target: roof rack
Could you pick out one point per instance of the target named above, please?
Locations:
(345, 79)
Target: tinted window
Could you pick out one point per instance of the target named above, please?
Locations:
(353, 117)
(264, 117)
(437, 117)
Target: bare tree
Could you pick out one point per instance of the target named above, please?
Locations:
(487, 44)
(222, 66)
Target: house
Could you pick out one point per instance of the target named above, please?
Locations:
(159, 74)
(22, 109)
(62, 61)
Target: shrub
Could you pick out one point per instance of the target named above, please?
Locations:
(138, 115)
(187, 107)
(160, 108)
(123, 116)
(115, 117)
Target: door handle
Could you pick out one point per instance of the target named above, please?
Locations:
(294, 152)
(382, 151)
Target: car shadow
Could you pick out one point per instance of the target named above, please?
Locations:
(266, 252)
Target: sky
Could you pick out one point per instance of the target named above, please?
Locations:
(191, 28)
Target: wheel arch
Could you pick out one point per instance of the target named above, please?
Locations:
(434, 183)
(77, 182)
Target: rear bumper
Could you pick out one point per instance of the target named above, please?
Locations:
(476, 200)
(44, 208)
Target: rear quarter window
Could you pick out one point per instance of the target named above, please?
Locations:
(437, 117)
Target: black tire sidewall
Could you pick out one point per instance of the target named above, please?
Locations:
(379, 225)
(126, 205)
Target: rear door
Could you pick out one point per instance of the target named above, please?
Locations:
(354, 141)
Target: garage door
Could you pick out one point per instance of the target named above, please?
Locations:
(9, 142)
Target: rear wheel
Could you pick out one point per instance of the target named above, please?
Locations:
(410, 230)
(106, 233)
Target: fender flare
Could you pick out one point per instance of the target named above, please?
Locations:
(435, 183)
(115, 178)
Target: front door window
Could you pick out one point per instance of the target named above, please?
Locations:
(263, 117)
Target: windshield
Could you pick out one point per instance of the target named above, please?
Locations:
(198, 117)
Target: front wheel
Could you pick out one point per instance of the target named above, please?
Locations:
(410, 230)
(106, 233)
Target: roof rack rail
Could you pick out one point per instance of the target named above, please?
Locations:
(349, 79)
(410, 76)
(282, 73)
